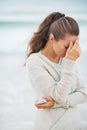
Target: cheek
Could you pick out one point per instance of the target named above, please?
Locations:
(62, 49)
(59, 49)
(54, 46)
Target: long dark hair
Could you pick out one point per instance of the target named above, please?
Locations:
(56, 23)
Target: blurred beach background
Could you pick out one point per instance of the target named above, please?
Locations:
(18, 20)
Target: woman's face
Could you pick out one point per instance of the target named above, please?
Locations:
(60, 47)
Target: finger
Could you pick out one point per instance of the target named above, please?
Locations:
(70, 45)
(77, 45)
(47, 98)
(76, 42)
(41, 106)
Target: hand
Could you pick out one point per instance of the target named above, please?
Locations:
(73, 52)
(50, 103)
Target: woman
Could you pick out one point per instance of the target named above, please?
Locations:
(52, 54)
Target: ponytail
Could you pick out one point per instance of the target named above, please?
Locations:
(40, 38)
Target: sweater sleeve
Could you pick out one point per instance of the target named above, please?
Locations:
(45, 83)
(79, 96)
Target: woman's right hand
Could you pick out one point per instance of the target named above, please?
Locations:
(74, 51)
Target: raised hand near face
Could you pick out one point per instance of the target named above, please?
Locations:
(74, 51)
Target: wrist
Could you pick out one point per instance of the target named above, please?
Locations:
(70, 58)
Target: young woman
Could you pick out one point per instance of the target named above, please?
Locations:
(51, 62)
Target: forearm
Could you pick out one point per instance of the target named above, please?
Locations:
(77, 98)
(72, 100)
(61, 89)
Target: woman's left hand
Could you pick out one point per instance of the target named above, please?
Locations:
(49, 104)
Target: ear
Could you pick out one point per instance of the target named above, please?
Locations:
(51, 37)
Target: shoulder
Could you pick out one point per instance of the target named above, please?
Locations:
(34, 59)
(34, 65)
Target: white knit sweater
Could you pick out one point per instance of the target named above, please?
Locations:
(63, 83)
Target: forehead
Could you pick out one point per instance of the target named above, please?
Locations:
(72, 38)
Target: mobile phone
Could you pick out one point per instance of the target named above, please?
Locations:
(41, 101)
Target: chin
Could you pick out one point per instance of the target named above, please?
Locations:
(62, 56)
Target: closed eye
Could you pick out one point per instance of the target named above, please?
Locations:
(67, 47)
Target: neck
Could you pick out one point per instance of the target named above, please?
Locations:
(50, 54)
